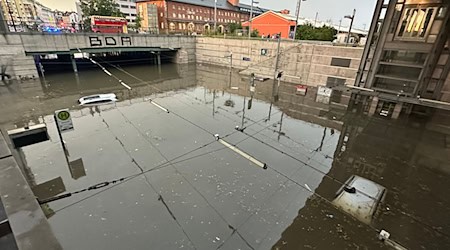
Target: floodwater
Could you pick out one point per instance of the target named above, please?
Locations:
(183, 189)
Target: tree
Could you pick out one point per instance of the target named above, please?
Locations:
(308, 32)
(99, 8)
(255, 33)
(232, 27)
(138, 22)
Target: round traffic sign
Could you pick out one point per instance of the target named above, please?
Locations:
(63, 115)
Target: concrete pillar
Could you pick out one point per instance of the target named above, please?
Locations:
(397, 109)
(373, 105)
(74, 64)
(158, 57)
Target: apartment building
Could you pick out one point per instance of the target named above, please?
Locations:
(406, 61)
(188, 16)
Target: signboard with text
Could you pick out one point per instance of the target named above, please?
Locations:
(63, 120)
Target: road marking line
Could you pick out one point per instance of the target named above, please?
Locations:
(159, 106)
(243, 154)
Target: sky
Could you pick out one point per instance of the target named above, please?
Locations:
(326, 9)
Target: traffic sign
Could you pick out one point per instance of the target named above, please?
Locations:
(63, 120)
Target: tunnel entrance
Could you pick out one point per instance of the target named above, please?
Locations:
(52, 63)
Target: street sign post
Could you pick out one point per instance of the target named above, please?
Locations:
(63, 124)
(63, 120)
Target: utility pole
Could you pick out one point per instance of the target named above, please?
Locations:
(297, 14)
(351, 24)
(250, 21)
(215, 16)
(315, 19)
(277, 61)
(339, 29)
(231, 68)
(252, 80)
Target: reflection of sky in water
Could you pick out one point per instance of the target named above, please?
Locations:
(207, 194)
(213, 190)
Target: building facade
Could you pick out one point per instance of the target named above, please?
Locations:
(19, 15)
(189, 16)
(45, 15)
(406, 61)
(271, 23)
(128, 8)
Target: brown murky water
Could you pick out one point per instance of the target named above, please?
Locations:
(208, 196)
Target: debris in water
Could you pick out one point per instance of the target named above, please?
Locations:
(217, 238)
(330, 216)
(306, 185)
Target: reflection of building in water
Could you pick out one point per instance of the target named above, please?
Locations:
(297, 106)
(406, 61)
(65, 89)
(385, 153)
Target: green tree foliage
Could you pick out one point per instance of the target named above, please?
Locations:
(99, 8)
(255, 33)
(138, 22)
(308, 32)
(232, 27)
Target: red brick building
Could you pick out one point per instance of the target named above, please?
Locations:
(188, 16)
(271, 23)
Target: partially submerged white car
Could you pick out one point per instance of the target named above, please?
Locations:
(97, 99)
(360, 198)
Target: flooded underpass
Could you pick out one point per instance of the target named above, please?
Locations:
(184, 163)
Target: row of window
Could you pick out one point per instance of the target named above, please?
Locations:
(128, 6)
(192, 10)
(200, 18)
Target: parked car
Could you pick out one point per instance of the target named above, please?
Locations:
(360, 198)
(97, 99)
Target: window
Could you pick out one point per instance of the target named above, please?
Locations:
(173, 6)
(174, 15)
(404, 57)
(162, 14)
(334, 81)
(179, 15)
(180, 26)
(162, 25)
(132, 7)
(340, 62)
(416, 22)
(184, 16)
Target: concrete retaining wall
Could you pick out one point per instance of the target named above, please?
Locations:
(13, 47)
(28, 223)
(307, 63)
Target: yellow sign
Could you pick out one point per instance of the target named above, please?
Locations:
(63, 120)
(63, 115)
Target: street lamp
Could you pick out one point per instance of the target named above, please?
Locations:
(297, 14)
(352, 17)
(250, 20)
(215, 16)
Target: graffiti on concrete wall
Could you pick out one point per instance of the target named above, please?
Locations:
(4, 66)
(98, 41)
